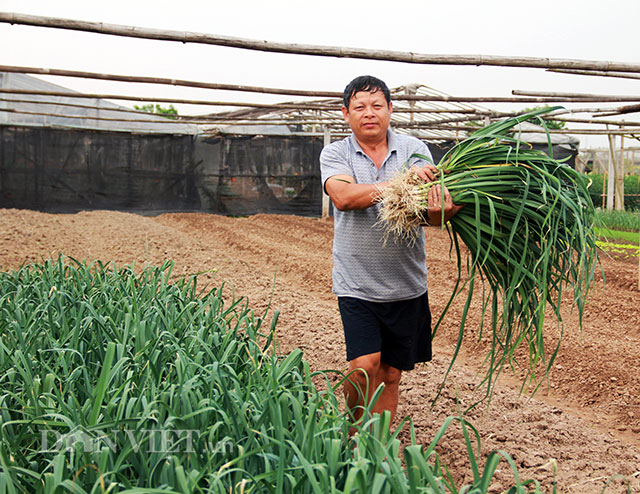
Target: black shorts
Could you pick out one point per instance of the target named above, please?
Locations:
(401, 330)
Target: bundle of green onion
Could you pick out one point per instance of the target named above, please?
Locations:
(526, 223)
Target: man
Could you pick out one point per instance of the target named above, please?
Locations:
(381, 287)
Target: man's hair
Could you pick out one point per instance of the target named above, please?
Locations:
(365, 83)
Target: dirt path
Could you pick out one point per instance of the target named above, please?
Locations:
(587, 420)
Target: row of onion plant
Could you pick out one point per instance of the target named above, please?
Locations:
(122, 380)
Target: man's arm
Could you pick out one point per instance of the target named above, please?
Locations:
(347, 195)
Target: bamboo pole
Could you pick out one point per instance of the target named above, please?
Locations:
(528, 131)
(396, 108)
(592, 121)
(267, 90)
(336, 123)
(574, 96)
(145, 99)
(167, 120)
(599, 73)
(161, 80)
(316, 50)
(311, 105)
(91, 117)
(299, 92)
(216, 132)
(202, 121)
(622, 110)
(77, 105)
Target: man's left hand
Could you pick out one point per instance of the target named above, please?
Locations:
(428, 173)
(437, 197)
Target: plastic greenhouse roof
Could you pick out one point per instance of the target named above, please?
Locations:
(75, 117)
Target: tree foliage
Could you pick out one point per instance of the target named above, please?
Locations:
(168, 112)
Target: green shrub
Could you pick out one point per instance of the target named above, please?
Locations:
(631, 191)
(626, 221)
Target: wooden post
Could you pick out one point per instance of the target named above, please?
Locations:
(411, 89)
(620, 178)
(611, 174)
(325, 197)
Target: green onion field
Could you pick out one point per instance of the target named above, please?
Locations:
(201, 353)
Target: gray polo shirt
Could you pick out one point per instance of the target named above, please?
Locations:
(362, 266)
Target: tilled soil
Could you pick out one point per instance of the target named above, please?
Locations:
(584, 422)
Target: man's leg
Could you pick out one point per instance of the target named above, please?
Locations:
(361, 385)
(378, 372)
(388, 400)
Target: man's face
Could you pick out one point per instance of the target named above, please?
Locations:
(368, 115)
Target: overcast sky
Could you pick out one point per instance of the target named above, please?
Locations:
(586, 29)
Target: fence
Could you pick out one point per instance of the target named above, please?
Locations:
(65, 171)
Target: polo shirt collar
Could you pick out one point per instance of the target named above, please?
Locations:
(392, 142)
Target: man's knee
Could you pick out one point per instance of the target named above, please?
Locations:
(389, 375)
(365, 368)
